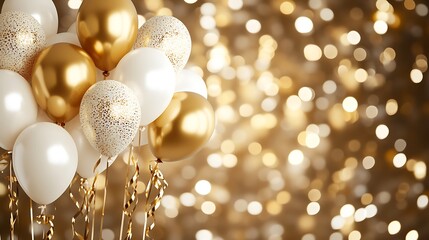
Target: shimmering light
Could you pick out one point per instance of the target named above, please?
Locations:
(326, 14)
(296, 157)
(422, 10)
(337, 222)
(382, 131)
(329, 86)
(208, 207)
(336, 236)
(312, 52)
(380, 27)
(190, 1)
(371, 111)
(355, 235)
(293, 102)
(420, 170)
(359, 54)
(254, 208)
(347, 210)
(306, 94)
(361, 75)
(371, 210)
(353, 37)
(287, 7)
(314, 195)
(235, 4)
(330, 51)
(416, 75)
(412, 235)
(391, 107)
(253, 26)
(399, 160)
(360, 215)
(303, 24)
(313, 208)
(422, 201)
(394, 227)
(400, 145)
(187, 199)
(204, 234)
(74, 4)
(350, 104)
(203, 187)
(368, 162)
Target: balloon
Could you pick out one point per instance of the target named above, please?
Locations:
(43, 11)
(87, 155)
(18, 108)
(110, 116)
(61, 75)
(168, 34)
(64, 37)
(22, 38)
(45, 160)
(107, 30)
(189, 81)
(150, 74)
(184, 127)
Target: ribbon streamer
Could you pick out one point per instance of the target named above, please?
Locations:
(84, 208)
(46, 219)
(130, 194)
(158, 182)
(13, 196)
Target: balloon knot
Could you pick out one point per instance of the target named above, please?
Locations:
(158, 160)
(106, 74)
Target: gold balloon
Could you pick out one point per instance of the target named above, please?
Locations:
(183, 128)
(107, 30)
(61, 75)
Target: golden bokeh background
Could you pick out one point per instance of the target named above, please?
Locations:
(322, 111)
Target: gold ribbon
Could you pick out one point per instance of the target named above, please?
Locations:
(131, 192)
(84, 208)
(13, 194)
(5, 160)
(158, 182)
(46, 219)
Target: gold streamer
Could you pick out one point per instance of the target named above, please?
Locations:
(46, 219)
(130, 194)
(5, 160)
(158, 182)
(84, 208)
(13, 196)
(103, 206)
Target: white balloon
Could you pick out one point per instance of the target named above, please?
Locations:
(189, 81)
(87, 155)
(45, 160)
(65, 37)
(72, 28)
(44, 11)
(149, 73)
(18, 108)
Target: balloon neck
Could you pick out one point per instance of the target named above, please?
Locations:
(106, 74)
(61, 124)
(158, 160)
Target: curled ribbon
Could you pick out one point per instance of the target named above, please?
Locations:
(13, 196)
(88, 193)
(5, 160)
(131, 193)
(46, 219)
(158, 182)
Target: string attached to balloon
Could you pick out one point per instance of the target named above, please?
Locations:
(84, 207)
(13, 195)
(46, 219)
(103, 206)
(130, 194)
(158, 182)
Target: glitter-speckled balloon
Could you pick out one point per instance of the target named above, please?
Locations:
(110, 116)
(168, 34)
(21, 39)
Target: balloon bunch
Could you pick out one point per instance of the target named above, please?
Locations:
(58, 117)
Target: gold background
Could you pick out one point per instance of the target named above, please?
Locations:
(272, 98)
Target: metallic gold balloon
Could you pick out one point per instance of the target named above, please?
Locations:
(107, 30)
(61, 75)
(183, 128)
